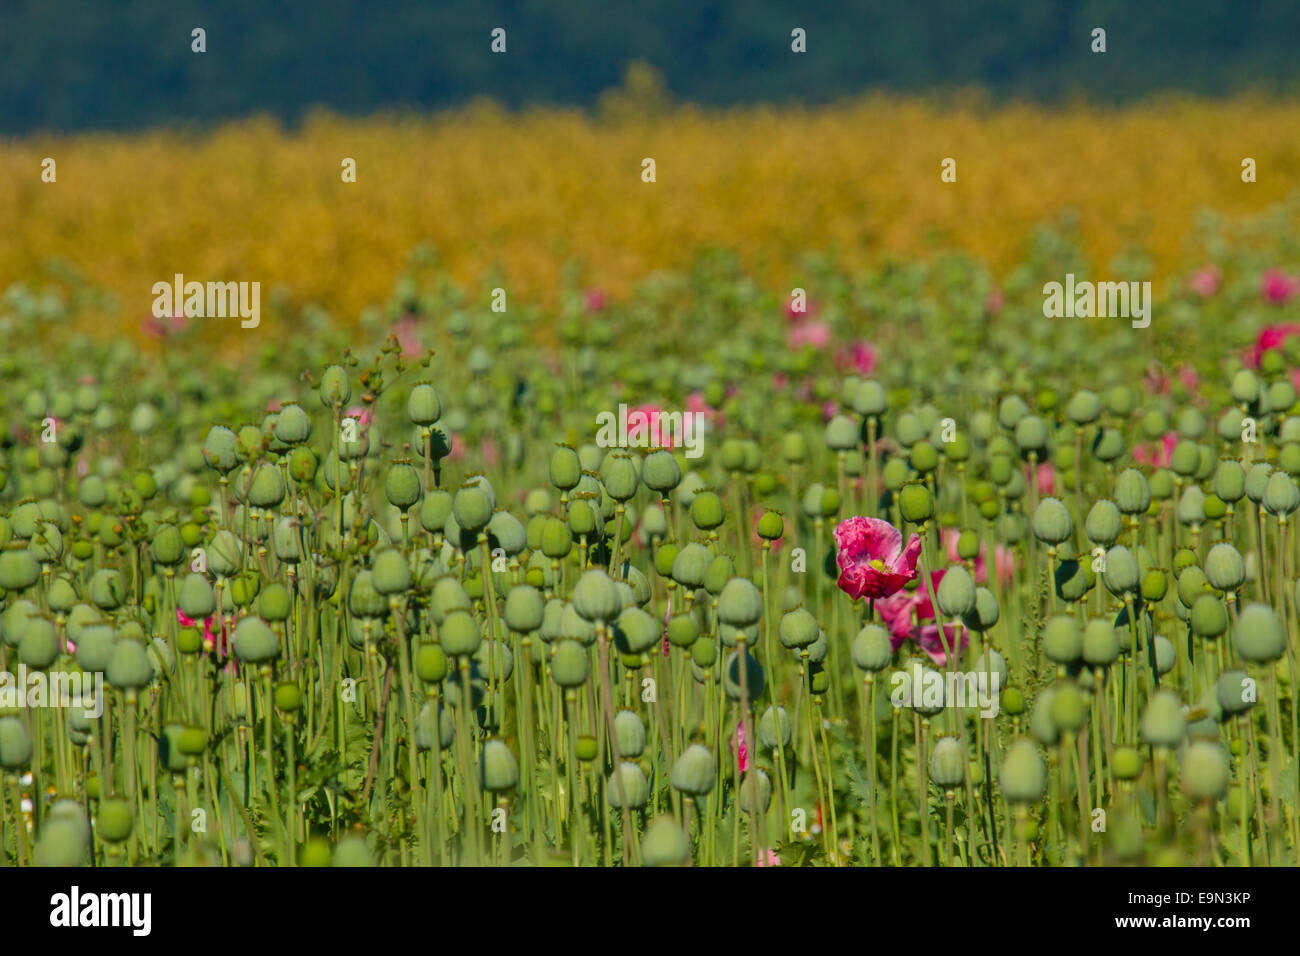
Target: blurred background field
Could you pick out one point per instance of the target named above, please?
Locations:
(512, 199)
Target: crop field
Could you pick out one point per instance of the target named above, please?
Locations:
(794, 508)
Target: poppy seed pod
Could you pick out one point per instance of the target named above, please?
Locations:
(95, 648)
(292, 424)
(595, 598)
(390, 572)
(255, 642)
(364, 599)
(423, 407)
(1132, 492)
(524, 609)
(1083, 408)
(1281, 496)
(869, 399)
(107, 589)
(1245, 387)
(402, 485)
(498, 769)
(740, 604)
(1235, 692)
(167, 548)
(1162, 722)
(721, 570)
(755, 792)
(753, 675)
(690, 565)
(872, 649)
(459, 634)
(986, 612)
(1022, 777)
(569, 664)
(1061, 641)
(472, 508)
(627, 786)
(798, 629)
(1120, 572)
(991, 662)
(619, 476)
(660, 471)
(431, 663)
(1205, 771)
(221, 449)
(948, 763)
(1105, 523)
(693, 771)
(335, 389)
(635, 631)
(707, 511)
(665, 844)
(1051, 522)
(1257, 481)
(39, 645)
(956, 592)
(1041, 724)
(629, 733)
(916, 503)
(115, 820)
(424, 726)
(1031, 434)
(19, 569)
(1225, 569)
(1258, 636)
(1230, 481)
(566, 468)
(683, 630)
(557, 539)
(1069, 710)
(1100, 646)
(841, 434)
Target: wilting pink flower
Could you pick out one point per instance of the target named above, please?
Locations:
(873, 562)
(1271, 337)
(739, 749)
(860, 357)
(595, 300)
(407, 334)
(1205, 281)
(1046, 478)
(1277, 287)
(905, 612)
(816, 334)
(1156, 456)
(994, 302)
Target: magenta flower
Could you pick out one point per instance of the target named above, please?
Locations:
(1277, 287)
(815, 334)
(860, 357)
(1205, 281)
(1046, 477)
(1271, 337)
(905, 612)
(873, 562)
(739, 749)
(1156, 456)
(1189, 377)
(595, 300)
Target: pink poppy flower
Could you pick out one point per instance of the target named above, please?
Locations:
(1205, 281)
(904, 614)
(1188, 375)
(640, 420)
(794, 314)
(873, 562)
(695, 403)
(1278, 287)
(815, 334)
(1156, 456)
(363, 414)
(212, 639)
(1046, 478)
(739, 749)
(595, 300)
(830, 410)
(165, 327)
(769, 858)
(1271, 337)
(1156, 381)
(779, 381)
(860, 357)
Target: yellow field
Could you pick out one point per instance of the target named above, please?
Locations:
(529, 192)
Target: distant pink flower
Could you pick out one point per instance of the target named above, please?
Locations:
(779, 381)
(489, 452)
(1156, 456)
(793, 314)
(739, 749)
(816, 334)
(274, 405)
(1188, 375)
(1156, 380)
(648, 419)
(860, 357)
(1205, 281)
(595, 300)
(212, 639)
(363, 414)
(994, 302)
(407, 334)
(1278, 287)
(830, 410)
(872, 560)
(695, 403)
(162, 328)
(1271, 337)
(1046, 478)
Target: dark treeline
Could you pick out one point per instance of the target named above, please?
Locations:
(124, 64)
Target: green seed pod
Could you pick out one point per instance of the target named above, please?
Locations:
(869, 399)
(19, 570)
(255, 642)
(1120, 573)
(390, 572)
(990, 663)
(986, 612)
(619, 476)
(595, 597)
(923, 458)
(115, 821)
(1185, 459)
(1011, 409)
(1084, 408)
(1013, 701)
(1041, 724)
(841, 434)
(1100, 644)
(1281, 496)
(798, 629)
(1235, 692)
(1061, 641)
(740, 604)
(424, 726)
(872, 649)
(1069, 709)
(292, 424)
(335, 389)
(1154, 586)
(635, 631)
(916, 503)
(95, 648)
(948, 763)
(274, 603)
(47, 543)
(15, 744)
(1225, 569)
(64, 839)
(566, 468)
(472, 508)
(1257, 479)
(704, 653)
(1108, 445)
(693, 771)
(423, 407)
(1164, 655)
(352, 851)
(129, 668)
(1127, 763)
(683, 630)
(1052, 523)
(435, 509)
(107, 589)
(39, 646)
(629, 733)
(459, 634)
(221, 449)
(775, 729)
(956, 592)
(498, 768)
(557, 539)
(195, 598)
(721, 570)
(1192, 583)
(431, 663)
(909, 429)
(707, 511)
(1132, 492)
(288, 699)
(755, 792)
(1230, 481)
(364, 599)
(1245, 387)
(690, 565)
(569, 664)
(665, 844)
(1023, 777)
(660, 472)
(524, 609)
(627, 786)
(402, 485)
(1258, 636)
(1162, 722)
(753, 674)
(1031, 434)
(1205, 770)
